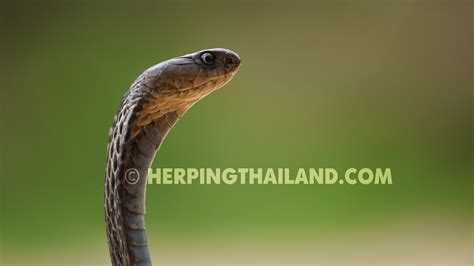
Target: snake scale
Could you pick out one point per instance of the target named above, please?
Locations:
(155, 102)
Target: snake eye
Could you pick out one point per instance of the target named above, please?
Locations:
(208, 58)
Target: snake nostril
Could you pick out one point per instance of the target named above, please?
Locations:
(229, 61)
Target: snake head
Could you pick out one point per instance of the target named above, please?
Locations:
(200, 73)
(177, 84)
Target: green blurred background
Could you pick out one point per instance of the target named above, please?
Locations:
(322, 84)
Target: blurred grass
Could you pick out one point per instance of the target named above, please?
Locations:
(343, 84)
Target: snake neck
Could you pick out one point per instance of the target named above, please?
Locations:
(131, 151)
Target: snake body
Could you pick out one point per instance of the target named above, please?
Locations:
(151, 107)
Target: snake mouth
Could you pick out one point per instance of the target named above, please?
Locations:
(209, 84)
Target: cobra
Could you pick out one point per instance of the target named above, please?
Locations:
(155, 102)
